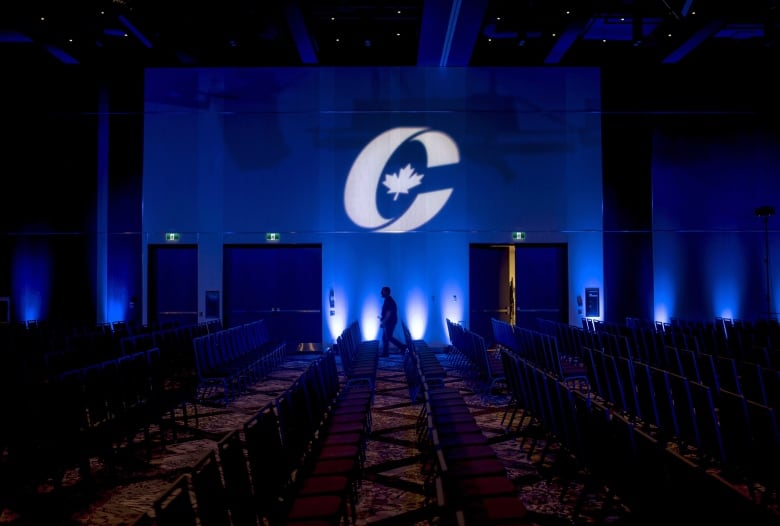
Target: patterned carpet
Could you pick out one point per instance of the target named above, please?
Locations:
(392, 490)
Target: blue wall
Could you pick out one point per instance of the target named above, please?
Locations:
(709, 176)
(394, 171)
(217, 154)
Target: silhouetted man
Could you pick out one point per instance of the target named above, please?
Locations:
(389, 319)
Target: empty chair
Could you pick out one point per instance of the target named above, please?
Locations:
(174, 506)
(209, 491)
(269, 462)
(238, 485)
(765, 449)
(490, 369)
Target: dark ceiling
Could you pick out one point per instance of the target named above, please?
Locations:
(148, 33)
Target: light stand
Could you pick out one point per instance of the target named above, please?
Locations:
(765, 212)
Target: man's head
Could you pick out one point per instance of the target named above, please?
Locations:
(385, 292)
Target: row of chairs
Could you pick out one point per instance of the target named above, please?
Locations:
(472, 356)
(98, 406)
(717, 411)
(464, 477)
(553, 416)
(655, 477)
(230, 360)
(649, 344)
(174, 341)
(752, 379)
(359, 357)
(96, 410)
(543, 349)
(720, 429)
(297, 461)
(420, 362)
(697, 419)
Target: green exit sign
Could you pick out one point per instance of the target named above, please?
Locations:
(172, 236)
(518, 236)
(273, 236)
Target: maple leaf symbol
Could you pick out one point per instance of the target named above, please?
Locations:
(401, 182)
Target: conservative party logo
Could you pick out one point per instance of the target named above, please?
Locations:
(361, 191)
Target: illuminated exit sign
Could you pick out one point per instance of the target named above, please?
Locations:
(273, 236)
(518, 236)
(172, 236)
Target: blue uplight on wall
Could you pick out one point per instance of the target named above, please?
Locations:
(371, 309)
(118, 305)
(416, 313)
(664, 296)
(31, 281)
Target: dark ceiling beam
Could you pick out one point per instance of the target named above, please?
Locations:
(567, 39)
(134, 30)
(449, 31)
(693, 42)
(14, 36)
(300, 33)
(60, 54)
(686, 8)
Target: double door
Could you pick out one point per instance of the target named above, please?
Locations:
(281, 284)
(516, 283)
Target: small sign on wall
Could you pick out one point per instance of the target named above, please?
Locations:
(592, 303)
(212, 304)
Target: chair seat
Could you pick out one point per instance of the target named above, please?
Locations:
(496, 511)
(328, 508)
